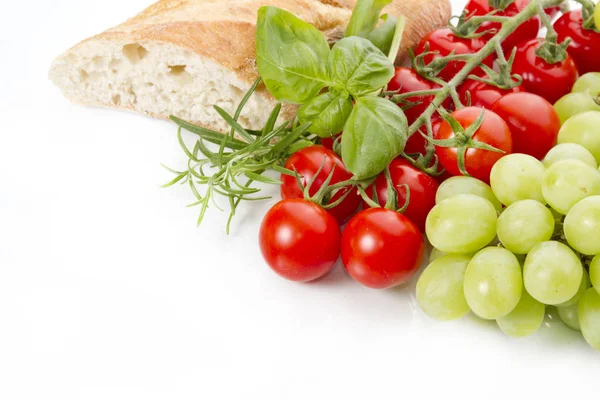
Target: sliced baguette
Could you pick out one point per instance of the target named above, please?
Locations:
(181, 57)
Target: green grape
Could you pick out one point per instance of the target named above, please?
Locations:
(462, 224)
(493, 283)
(517, 177)
(440, 288)
(525, 319)
(582, 226)
(552, 273)
(585, 284)
(466, 185)
(568, 315)
(521, 258)
(569, 151)
(583, 129)
(573, 104)
(568, 182)
(435, 254)
(595, 273)
(588, 83)
(525, 224)
(597, 16)
(588, 312)
(558, 217)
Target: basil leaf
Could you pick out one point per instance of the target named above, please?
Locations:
(328, 113)
(359, 67)
(290, 55)
(365, 17)
(375, 134)
(383, 36)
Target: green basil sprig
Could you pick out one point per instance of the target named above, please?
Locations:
(374, 135)
(383, 36)
(289, 56)
(359, 67)
(327, 113)
(297, 66)
(365, 17)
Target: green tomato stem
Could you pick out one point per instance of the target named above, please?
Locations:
(547, 23)
(478, 20)
(399, 97)
(500, 4)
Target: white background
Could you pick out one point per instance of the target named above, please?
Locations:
(109, 291)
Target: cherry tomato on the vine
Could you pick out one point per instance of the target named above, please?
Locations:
(445, 41)
(526, 31)
(482, 94)
(307, 162)
(422, 190)
(382, 248)
(478, 162)
(551, 81)
(299, 240)
(406, 80)
(585, 43)
(533, 123)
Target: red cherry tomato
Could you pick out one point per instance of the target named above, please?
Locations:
(307, 162)
(407, 80)
(526, 31)
(416, 144)
(482, 94)
(444, 41)
(382, 248)
(299, 240)
(478, 162)
(443, 177)
(533, 123)
(422, 190)
(551, 81)
(585, 43)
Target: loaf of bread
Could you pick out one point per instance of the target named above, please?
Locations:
(181, 57)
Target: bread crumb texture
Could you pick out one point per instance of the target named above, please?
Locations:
(155, 79)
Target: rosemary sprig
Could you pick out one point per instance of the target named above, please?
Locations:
(232, 170)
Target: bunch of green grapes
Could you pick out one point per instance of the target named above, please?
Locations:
(530, 240)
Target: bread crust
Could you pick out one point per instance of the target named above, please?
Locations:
(223, 31)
